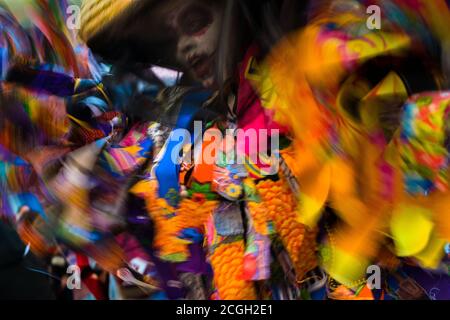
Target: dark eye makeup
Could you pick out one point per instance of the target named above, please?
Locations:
(194, 19)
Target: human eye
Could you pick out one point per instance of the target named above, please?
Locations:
(195, 20)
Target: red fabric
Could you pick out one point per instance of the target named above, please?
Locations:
(93, 284)
(95, 287)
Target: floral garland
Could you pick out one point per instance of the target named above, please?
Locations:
(278, 204)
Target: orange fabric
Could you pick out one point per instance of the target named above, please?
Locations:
(227, 262)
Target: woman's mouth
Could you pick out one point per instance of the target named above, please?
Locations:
(201, 66)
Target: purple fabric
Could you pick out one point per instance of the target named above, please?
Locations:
(197, 261)
(43, 81)
(7, 156)
(436, 285)
(167, 273)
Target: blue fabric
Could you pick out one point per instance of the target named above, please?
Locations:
(3, 63)
(28, 199)
(167, 171)
(191, 234)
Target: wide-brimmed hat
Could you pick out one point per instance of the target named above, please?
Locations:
(139, 31)
(130, 30)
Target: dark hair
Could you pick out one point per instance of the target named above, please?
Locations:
(245, 22)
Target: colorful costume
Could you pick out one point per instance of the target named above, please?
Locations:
(361, 160)
(383, 176)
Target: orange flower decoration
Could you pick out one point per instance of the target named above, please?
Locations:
(227, 262)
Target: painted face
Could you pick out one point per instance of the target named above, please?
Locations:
(197, 26)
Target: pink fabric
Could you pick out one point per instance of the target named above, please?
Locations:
(131, 247)
(251, 114)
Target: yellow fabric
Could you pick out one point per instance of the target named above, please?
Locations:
(96, 14)
(227, 262)
(170, 221)
(348, 174)
(411, 228)
(280, 205)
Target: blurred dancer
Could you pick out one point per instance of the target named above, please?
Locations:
(341, 107)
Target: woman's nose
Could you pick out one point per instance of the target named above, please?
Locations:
(185, 45)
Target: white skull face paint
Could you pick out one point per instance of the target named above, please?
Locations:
(197, 25)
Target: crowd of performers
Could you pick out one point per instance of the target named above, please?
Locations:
(359, 207)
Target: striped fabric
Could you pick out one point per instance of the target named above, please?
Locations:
(96, 14)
